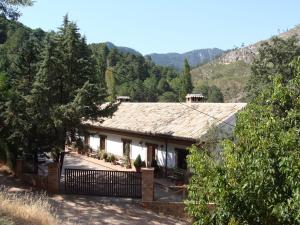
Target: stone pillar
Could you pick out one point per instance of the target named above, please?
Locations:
(147, 184)
(53, 178)
(19, 168)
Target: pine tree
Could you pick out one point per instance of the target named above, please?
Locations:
(186, 80)
(111, 84)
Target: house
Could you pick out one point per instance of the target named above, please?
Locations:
(160, 131)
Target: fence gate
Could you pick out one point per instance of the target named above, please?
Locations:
(103, 183)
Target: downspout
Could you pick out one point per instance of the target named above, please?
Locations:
(166, 160)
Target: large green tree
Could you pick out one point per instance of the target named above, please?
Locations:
(273, 58)
(257, 179)
(9, 8)
(51, 87)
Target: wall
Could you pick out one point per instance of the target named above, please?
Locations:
(114, 145)
(94, 142)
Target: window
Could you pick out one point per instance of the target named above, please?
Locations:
(126, 144)
(181, 158)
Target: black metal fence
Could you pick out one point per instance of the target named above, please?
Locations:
(103, 183)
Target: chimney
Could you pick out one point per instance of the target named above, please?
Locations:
(194, 98)
(123, 98)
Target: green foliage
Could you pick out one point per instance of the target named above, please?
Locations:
(273, 58)
(138, 162)
(105, 156)
(133, 75)
(50, 85)
(211, 93)
(9, 8)
(111, 84)
(230, 78)
(168, 97)
(257, 179)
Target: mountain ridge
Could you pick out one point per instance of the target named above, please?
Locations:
(231, 70)
(195, 57)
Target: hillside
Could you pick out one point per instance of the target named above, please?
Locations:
(122, 49)
(231, 71)
(195, 57)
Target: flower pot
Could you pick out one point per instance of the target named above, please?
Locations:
(138, 169)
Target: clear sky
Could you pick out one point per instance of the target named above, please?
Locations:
(168, 25)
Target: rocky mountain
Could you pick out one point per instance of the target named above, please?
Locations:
(231, 71)
(195, 57)
(248, 53)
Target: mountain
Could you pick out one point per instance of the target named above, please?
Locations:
(122, 49)
(231, 70)
(195, 57)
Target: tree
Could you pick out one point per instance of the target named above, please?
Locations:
(53, 87)
(273, 58)
(211, 93)
(168, 97)
(150, 85)
(8, 8)
(163, 85)
(187, 79)
(257, 180)
(111, 84)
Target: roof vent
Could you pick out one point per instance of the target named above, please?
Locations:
(194, 98)
(123, 98)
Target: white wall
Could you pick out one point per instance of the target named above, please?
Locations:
(94, 142)
(114, 145)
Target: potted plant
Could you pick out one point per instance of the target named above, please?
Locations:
(138, 163)
(105, 156)
(112, 159)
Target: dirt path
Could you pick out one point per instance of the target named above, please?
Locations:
(92, 210)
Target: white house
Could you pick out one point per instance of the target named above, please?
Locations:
(160, 131)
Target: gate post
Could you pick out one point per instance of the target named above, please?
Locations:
(147, 184)
(53, 178)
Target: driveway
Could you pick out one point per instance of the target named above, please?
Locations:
(93, 210)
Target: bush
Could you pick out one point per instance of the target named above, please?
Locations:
(112, 158)
(143, 164)
(105, 156)
(138, 162)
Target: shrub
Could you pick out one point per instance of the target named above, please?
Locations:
(143, 164)
(112, 158)
(105, 156)
(138, 162)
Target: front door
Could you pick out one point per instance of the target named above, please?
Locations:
(151, 149)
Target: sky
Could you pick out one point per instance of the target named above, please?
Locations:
(163, 26)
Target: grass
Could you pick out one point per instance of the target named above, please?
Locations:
(4, 220)
(26, 209)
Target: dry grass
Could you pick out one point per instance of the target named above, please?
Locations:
(27, 208)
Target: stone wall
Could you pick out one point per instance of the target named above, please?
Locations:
(50, 183)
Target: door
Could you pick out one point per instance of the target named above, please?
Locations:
(151, 153)
(102, 143)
